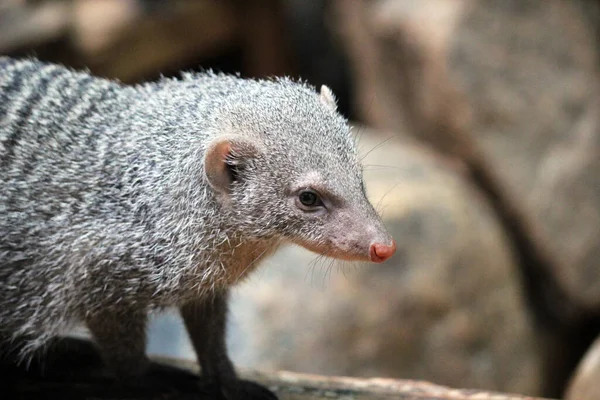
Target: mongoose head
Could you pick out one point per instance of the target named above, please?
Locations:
(284, 166)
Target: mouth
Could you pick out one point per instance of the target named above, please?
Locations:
(378, 252)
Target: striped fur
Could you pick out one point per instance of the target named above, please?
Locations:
(106, 212)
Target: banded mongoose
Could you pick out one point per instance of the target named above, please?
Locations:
(119, 200)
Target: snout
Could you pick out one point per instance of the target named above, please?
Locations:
(379, 252)
(354, 235)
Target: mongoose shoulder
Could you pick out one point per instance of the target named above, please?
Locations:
(117, 200)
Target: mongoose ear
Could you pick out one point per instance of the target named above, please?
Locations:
(225, 159)
(328, 98)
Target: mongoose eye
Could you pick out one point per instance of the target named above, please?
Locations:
(309, 199)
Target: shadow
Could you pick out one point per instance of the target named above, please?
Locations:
(72, 369)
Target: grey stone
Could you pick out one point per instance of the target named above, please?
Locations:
(519, 79)
(585, 384)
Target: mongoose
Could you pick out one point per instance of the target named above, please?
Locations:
(119, 200)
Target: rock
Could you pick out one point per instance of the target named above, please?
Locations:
(303, 386)
(22, 25)
(510, 90)
(74, 371)
(104, 30)
(446, 308)
(520, 78)
(535, 104)
(585, 384)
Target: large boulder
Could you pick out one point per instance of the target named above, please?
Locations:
(511, 90)
(517, 79)
(585, 384)
(536, 112)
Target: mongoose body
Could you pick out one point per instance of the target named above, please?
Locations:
(117, 200)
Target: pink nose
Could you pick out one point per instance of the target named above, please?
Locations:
(381, 252)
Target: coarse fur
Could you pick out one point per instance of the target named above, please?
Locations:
(118, 200)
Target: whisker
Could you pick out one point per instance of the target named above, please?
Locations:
(326, 264)
(329, 269)
(379, 166)
(339, 268)
(377, 207)
(324, 278)
(377, 146)
(358, 137)
(250, 264)
(322, 258)
(312, 267)
(344, 264)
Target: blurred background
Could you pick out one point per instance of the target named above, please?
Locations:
(480, 125)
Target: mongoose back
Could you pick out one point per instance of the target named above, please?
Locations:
(118, 200)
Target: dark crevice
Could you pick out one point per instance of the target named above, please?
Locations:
(567, 328)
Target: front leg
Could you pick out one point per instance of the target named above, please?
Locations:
(206, 323)
(121, 338)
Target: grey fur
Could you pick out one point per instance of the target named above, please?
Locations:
(106, 212)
